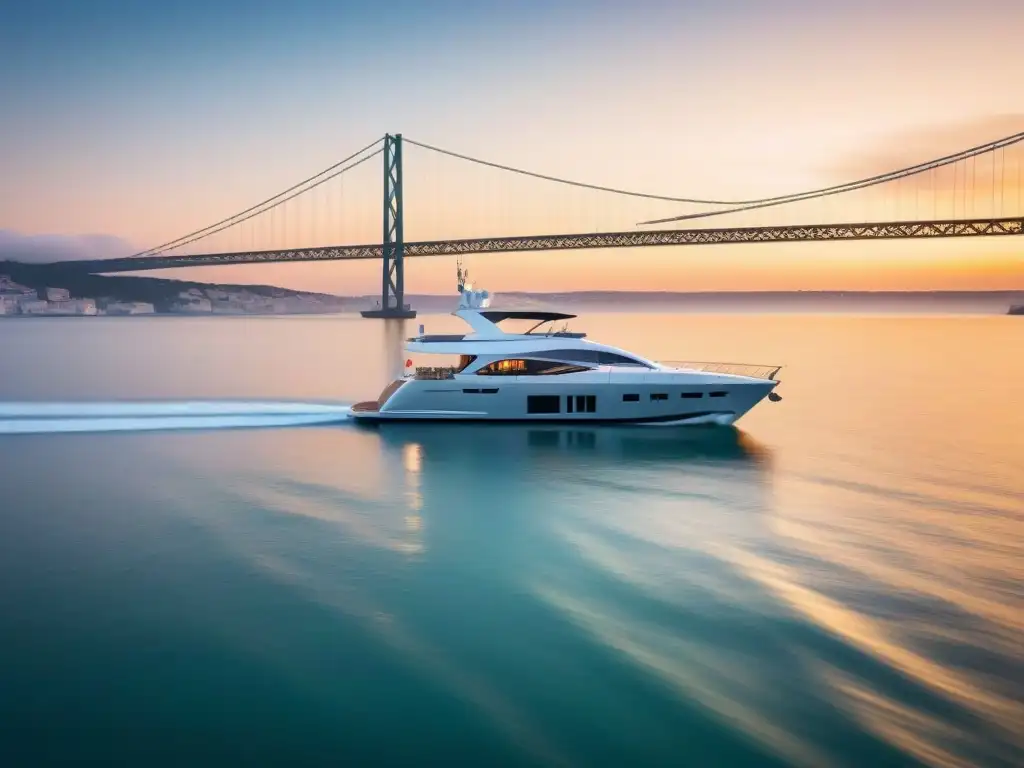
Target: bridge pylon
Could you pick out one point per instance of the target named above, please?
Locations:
(392, 291)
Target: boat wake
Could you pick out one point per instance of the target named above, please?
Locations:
(47, 418)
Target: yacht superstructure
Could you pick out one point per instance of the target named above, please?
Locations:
(549, 375)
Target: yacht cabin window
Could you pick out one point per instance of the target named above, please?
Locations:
(543, 404)
(580, 403)
(526, 367)
(592, 356)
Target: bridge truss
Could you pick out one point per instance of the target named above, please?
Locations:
(889, 230)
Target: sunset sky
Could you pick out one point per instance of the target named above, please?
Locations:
(143, 121)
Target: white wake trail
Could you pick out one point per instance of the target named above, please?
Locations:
(42, 418)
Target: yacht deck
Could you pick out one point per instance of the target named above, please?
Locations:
(370, 406)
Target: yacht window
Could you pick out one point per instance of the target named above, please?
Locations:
(719, 394)
(543, 404)
(574, 355)
(568, 403)
(593, 356)
(503, 368)
(631, 398)
(585, 404)
(610, 358)
(464, 362)
(520, 367)
(659, 396)
(692, 394)
(560, 369)
(479, 391)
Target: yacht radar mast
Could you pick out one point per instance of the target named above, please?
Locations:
(463, 274)
(469, 298)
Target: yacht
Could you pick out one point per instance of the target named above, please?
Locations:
(546, 374)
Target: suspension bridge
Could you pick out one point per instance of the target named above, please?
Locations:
(975, 192)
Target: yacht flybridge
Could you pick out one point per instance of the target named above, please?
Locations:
(549, 375)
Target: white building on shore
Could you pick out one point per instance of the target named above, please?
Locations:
(192, 302)
(16, 299)
(58, 295)
(34, 307)
(77, 307)
(130, 308)
(11, 291)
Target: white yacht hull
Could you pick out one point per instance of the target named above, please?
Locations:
(656, 398)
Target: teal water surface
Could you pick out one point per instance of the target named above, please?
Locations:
(835, 582)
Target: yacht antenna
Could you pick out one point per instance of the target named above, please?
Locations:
(463, 275)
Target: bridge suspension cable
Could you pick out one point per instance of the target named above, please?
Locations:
(334, 170)
(569, 182)
(914, 170)
(743, 205)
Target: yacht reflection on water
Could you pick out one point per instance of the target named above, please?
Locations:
(692, 484)
(500, 443)
(703, 477)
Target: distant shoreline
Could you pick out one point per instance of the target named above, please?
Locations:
(165, 297)
(819, 302)
(202, 315)
(708, 309)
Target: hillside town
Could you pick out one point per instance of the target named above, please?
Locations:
(219, 301)
(17, 299)
(22, 300)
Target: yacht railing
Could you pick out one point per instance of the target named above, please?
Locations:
(733, 369)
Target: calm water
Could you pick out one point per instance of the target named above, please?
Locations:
(836, 583)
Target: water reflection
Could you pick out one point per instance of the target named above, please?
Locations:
(582, 596)
(617, 530)
(684, 553)
(625, 545)
(797, 609)
(918, 576)
(672, 542)
(601, 444)
(487, 511)
(394, 349)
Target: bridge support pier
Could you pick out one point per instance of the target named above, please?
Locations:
(392, 291)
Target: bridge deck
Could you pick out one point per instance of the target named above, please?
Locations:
(894, 230)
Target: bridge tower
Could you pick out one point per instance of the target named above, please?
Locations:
(392, 290)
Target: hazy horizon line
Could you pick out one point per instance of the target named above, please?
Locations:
(786, 292)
